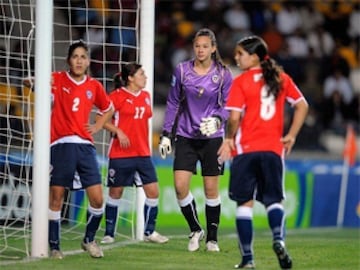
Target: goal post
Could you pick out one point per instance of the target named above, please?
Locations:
(147, 26)
(41, 160)
(34, 36)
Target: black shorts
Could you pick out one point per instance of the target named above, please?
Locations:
(189, 151)
(257, 175)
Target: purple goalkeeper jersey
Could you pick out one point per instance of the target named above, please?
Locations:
(197, 96)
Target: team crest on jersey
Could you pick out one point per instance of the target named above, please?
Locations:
(89, 94)
(215, 78)
(147, 101)
(173, 81)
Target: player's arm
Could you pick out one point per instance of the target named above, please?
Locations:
(118, 133)
(300, 113)
(101, 120)
(228, 145)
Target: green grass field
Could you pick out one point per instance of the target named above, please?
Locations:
(311, 249)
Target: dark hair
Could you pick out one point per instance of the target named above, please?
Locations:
(122, 78)
(208, 33)
(271, 70)
(74, 46)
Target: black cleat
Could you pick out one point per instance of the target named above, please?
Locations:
(282, 255)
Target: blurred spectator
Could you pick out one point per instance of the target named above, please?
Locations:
(95, 36)
(320, 41)
(81, 14)
(354, 27)
(334, 61)
(260, 15)
(311, 18)
(338, 102)
(291, 64)
(298, 46)
(20, 62)
(237, 19)
(124, 37)
(288, 18)
(182, 53)
(345, 50)
(336, 13)
(309, 135)
(312, 86)
(273, 38)
(337, 82)
(226, 46)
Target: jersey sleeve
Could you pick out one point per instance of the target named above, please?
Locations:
(293, 93)
(115, 99)
(173, 100)
(225, 90)
(102, 100)
(148, 102)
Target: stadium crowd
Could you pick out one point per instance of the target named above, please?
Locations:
(316, 42)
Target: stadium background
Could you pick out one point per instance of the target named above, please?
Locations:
(310, 39)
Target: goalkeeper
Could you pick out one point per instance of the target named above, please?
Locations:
(198, 91)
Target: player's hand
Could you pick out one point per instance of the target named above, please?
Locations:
(165, 146)
(123, 139)
(209, 125)
(224, 152)
(288, 142)
(92, 128)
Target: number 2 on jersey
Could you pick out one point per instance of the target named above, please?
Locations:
(75, 106)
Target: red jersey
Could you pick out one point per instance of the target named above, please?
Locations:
(132, 112)
(262, 121)
(72, 105)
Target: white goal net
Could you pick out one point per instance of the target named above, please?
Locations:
(111, 30)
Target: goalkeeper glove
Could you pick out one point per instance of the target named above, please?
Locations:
(209, 125)
(165, 146)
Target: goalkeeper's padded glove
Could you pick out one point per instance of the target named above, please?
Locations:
(209, 125)
(165, 146)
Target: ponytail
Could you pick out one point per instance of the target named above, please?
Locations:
(271, 70)
(121, 79)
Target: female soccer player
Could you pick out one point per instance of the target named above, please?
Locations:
(72, 150)
(196, 100)
(129, 151)
(254, 137)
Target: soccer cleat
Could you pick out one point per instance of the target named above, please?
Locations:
(282, 255)
(248, 265)
(156, 237)
(107, 240)
(93, 249)
(212, 246)
(56, 254)
(195, 238)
